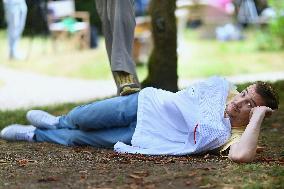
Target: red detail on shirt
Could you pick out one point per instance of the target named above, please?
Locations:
(194, 134)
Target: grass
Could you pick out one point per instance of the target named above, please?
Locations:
(210, 57)
(198, 58)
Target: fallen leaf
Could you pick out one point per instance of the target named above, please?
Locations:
(188, 182)
(23, 162)
(228, 187)
(192, 174)
(48, 179)
(206, 156)
(268, 159)
(260, 149)
(87, 152)
(125, 161)
(207, 186)
(83, 177)
(141, 173)
(281, 159)
(275, 125)
(135, 176)
(171, 160)
(206, 168)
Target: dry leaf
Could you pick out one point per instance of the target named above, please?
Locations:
(206, 156)
(276, 125)
(141, 173)
(188, 182)
(135, 176)
(23, 162)
(3, 161)
(207, 186)
(260, 149)
(83, 177)
(48, 179)
(192, 174)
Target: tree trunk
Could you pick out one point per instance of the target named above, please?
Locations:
(162, 64)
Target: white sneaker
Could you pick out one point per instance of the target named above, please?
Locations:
(42, 119)
(18, 132)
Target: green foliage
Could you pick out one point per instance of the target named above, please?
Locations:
(10, 117)
(277, 30)
(277, 4)
(266, 41)
(273, 37)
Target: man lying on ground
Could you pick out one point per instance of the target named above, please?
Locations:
(205, 116)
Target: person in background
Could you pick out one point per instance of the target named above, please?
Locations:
(15, 13)
(141, 7)
(118, 23)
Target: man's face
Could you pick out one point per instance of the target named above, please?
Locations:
(239, 108)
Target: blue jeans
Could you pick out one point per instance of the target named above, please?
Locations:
(98, 124)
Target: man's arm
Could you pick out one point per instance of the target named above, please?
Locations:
(245, 149)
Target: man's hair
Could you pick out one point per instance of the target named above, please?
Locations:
(268, 94)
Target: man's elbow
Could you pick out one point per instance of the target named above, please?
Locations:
(242, 157)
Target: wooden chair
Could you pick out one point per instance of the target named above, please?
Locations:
(64, 22)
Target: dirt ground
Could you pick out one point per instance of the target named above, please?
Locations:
(42, 165)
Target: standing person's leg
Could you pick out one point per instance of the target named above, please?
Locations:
(22, 18)
(10, 15)
(118, 22)
(16, 17)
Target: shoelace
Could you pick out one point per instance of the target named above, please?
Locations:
(23, 136)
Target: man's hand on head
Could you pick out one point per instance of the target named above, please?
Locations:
(261, 111)
(245, 149)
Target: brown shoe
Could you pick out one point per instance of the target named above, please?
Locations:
(126, 84)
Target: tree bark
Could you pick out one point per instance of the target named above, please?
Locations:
(162, 64)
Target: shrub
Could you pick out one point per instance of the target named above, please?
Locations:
(273, 37)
